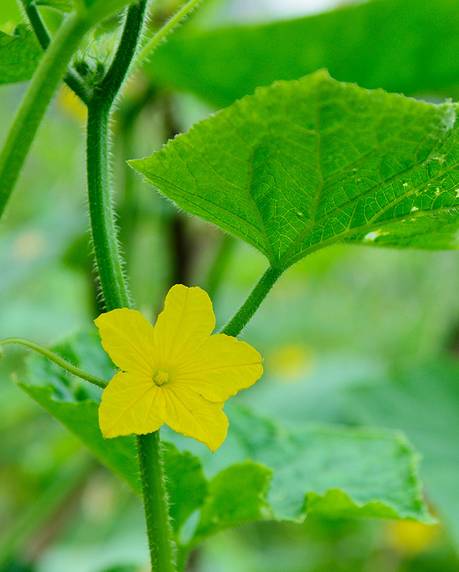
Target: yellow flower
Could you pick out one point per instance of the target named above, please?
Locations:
(174, 372)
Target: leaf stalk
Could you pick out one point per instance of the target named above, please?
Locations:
(251, 305)
(57, 359)
(49, 73)
(169, 27)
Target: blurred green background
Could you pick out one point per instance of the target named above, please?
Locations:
(340, 325)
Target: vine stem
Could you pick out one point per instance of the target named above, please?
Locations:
(110, 270)
(162, 550)
(57, 359)
(251, 305)
(103, 228)
(49, 73)
(174, 22)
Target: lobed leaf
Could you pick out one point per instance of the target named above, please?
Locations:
(304, 164)
(407, 46)
(328, 470)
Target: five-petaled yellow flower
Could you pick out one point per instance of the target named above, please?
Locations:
(175, 372)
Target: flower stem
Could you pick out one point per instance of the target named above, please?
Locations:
(110, 270)
(50, 71)
(162, 550)
(251, 305)
(57, 359)
(170, 26)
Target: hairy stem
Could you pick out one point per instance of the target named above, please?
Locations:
(251, 305)
(35, 102)
(156, 504)
(110, 271)
(170, 26)
(55, 358)
(103, 227)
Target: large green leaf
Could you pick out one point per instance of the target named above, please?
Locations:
(304, 164)
(424, 403)
(19, 55)
(400, 45)
(324, 469)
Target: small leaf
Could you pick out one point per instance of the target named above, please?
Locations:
(19, 55)
(304, 164)
(237, 495)
(406, 46)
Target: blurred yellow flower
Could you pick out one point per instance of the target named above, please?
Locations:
(291, 362)
(409, 537)
(174, 372)
(71, 105)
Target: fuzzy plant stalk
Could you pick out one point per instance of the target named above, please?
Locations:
(109, 265)
(45, 81)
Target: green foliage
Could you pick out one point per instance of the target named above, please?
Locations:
(186, 484)
(10, 12)
(237, 494)
(75, 405)
(291, 473)
(322, 469)
(304, 164)
(424, 403)
(19, 55)
(407, 46)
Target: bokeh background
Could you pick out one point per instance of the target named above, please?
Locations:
(340, 325)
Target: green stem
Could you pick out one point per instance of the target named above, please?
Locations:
(170, 26)
(55, 358)
(35, 102)
(103, 227)
(251, 305)
(72, 79)
(110, 270)
(162, 552)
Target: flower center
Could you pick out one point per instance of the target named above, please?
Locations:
(160, 377)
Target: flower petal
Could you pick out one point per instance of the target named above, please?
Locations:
(129, 406)
(186, 321)
(128, 338)
(221, 367)
(190, 414)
